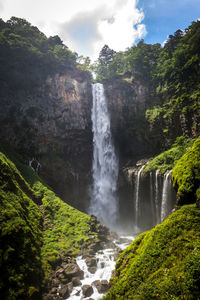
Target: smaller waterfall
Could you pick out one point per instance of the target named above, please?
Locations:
(157, 197)
(137, 190)
(152, 199)
(165, 192)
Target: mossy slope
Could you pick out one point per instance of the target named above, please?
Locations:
(20, 236)
(37, 231)
(186, 175)
(168, 159)
(162, 263)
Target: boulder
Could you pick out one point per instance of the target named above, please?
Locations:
(64, 292)
(76, 281)
(54, 290)
(104, 286)
(72, 270)
(91, 262)
(87, 290)
(92, 270)
(70, 287)
(101, 286)
(55, 282)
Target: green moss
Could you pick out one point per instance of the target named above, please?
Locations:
(34, 240)
(66, 228)
(186, 174)
(28, 174)
(20, 235)
(168, 159)
(162, 263)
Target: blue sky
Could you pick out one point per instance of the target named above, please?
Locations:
(86, 26)
(164, 17)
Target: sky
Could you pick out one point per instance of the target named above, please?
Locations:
(85, 26)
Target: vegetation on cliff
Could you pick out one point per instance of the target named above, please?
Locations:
(28, 56)
(172, 75)
(20, 235)
(186, 175)
(37, 231)
(168, 159)
(162, 263)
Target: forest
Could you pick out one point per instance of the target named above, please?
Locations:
(47, 167)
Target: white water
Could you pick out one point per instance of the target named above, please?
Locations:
(105, 266)
(105, 164)
(157, 197)
(137, 196)
(152, 199)
(165, 192)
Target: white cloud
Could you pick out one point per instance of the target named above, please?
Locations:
(2, 3)
(84, 25)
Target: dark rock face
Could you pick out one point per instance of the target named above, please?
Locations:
(127, 103)
(53, 124)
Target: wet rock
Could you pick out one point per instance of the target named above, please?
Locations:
(70, 287)
(64, 292)
(78, 293)
(52, 297)
(101, 286)
(55, 282)
(76, 281)
(97, 284)
(73, 270)
(91, 262)
(87, 290)
(104, 286)
(54, 290)
(62, 277)
(92, 270)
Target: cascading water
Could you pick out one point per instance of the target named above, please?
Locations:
(152, 199)
(165, 193)
(157, 197)
(137, 190)
(105, 164)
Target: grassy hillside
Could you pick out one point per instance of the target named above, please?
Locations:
(168, 159)
(186, 175)
(20, 235)
(37, 231)
(162, 263)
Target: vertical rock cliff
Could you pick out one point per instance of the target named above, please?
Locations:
(52, 123)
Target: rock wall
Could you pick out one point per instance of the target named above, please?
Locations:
(127, 102)
(53, 124)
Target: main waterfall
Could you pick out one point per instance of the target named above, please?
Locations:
(105, 164)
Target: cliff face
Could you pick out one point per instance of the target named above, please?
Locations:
(53, 124)
(127, 103)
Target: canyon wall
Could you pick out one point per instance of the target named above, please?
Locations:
(52, 123)
(127, 102)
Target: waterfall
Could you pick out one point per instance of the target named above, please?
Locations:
(157, 197)
(165, 191)
(105, 164)
(152, 199)
(137, 189)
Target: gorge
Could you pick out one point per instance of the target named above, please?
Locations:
(86, 161)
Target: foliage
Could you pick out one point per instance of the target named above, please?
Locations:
(67, 230)
(186, 175)
(33, 239)
(162, 263)
(172, 75)
(20, 236)
(168, 159)
(28, 56)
